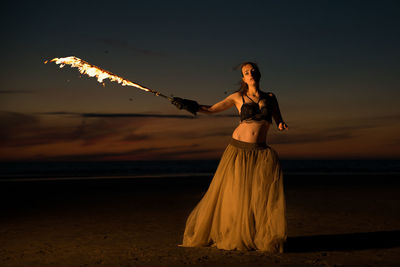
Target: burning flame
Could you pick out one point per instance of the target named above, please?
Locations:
(94, 71)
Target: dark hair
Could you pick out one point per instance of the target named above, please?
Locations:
(243, 86)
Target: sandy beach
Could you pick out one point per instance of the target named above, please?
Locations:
(140, 222)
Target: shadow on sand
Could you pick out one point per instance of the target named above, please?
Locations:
(342, 242)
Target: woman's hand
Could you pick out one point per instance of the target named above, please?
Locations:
(190, 105)
(283, 126)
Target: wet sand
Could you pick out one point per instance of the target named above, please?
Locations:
(140, 222)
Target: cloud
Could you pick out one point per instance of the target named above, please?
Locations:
(23, 130)
(92, 131)
(319, 135)
(119, 115)
(18, 130)
(149, 153)
(312, 137)
(132, 137)
(14, 125)
(304, 135)
(119, 131)
(15, 119)
(136, 115)
(16, 91)
(385, 118)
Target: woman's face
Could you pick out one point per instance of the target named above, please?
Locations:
(250, 75)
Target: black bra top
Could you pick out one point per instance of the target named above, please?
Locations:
(252, 111)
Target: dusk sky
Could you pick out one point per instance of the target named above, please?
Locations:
(333, 65)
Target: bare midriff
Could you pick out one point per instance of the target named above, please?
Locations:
(252, 132)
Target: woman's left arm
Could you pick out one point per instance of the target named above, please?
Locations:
(276, 113)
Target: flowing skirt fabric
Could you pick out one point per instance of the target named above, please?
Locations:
(244, 206)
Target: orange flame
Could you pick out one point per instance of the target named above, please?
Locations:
(94, 71)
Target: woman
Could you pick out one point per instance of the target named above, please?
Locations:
(244, 206)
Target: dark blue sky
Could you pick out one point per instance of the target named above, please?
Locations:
(334, 65)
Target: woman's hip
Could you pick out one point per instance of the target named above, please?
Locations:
(247, 145)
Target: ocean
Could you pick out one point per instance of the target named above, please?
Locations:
(35, 171)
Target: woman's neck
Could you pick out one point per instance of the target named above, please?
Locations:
(253, 90)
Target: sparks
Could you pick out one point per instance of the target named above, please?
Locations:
(101, 74)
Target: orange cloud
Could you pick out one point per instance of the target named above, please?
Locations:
(97, 136)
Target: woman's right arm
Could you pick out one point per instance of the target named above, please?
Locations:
(218, 107)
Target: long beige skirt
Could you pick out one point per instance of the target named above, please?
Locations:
(244, 206)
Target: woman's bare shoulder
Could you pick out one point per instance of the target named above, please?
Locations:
(267, 94)
(235, 96)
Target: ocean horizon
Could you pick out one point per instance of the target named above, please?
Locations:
(35, 171)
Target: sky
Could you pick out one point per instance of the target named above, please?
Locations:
(333, 65)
